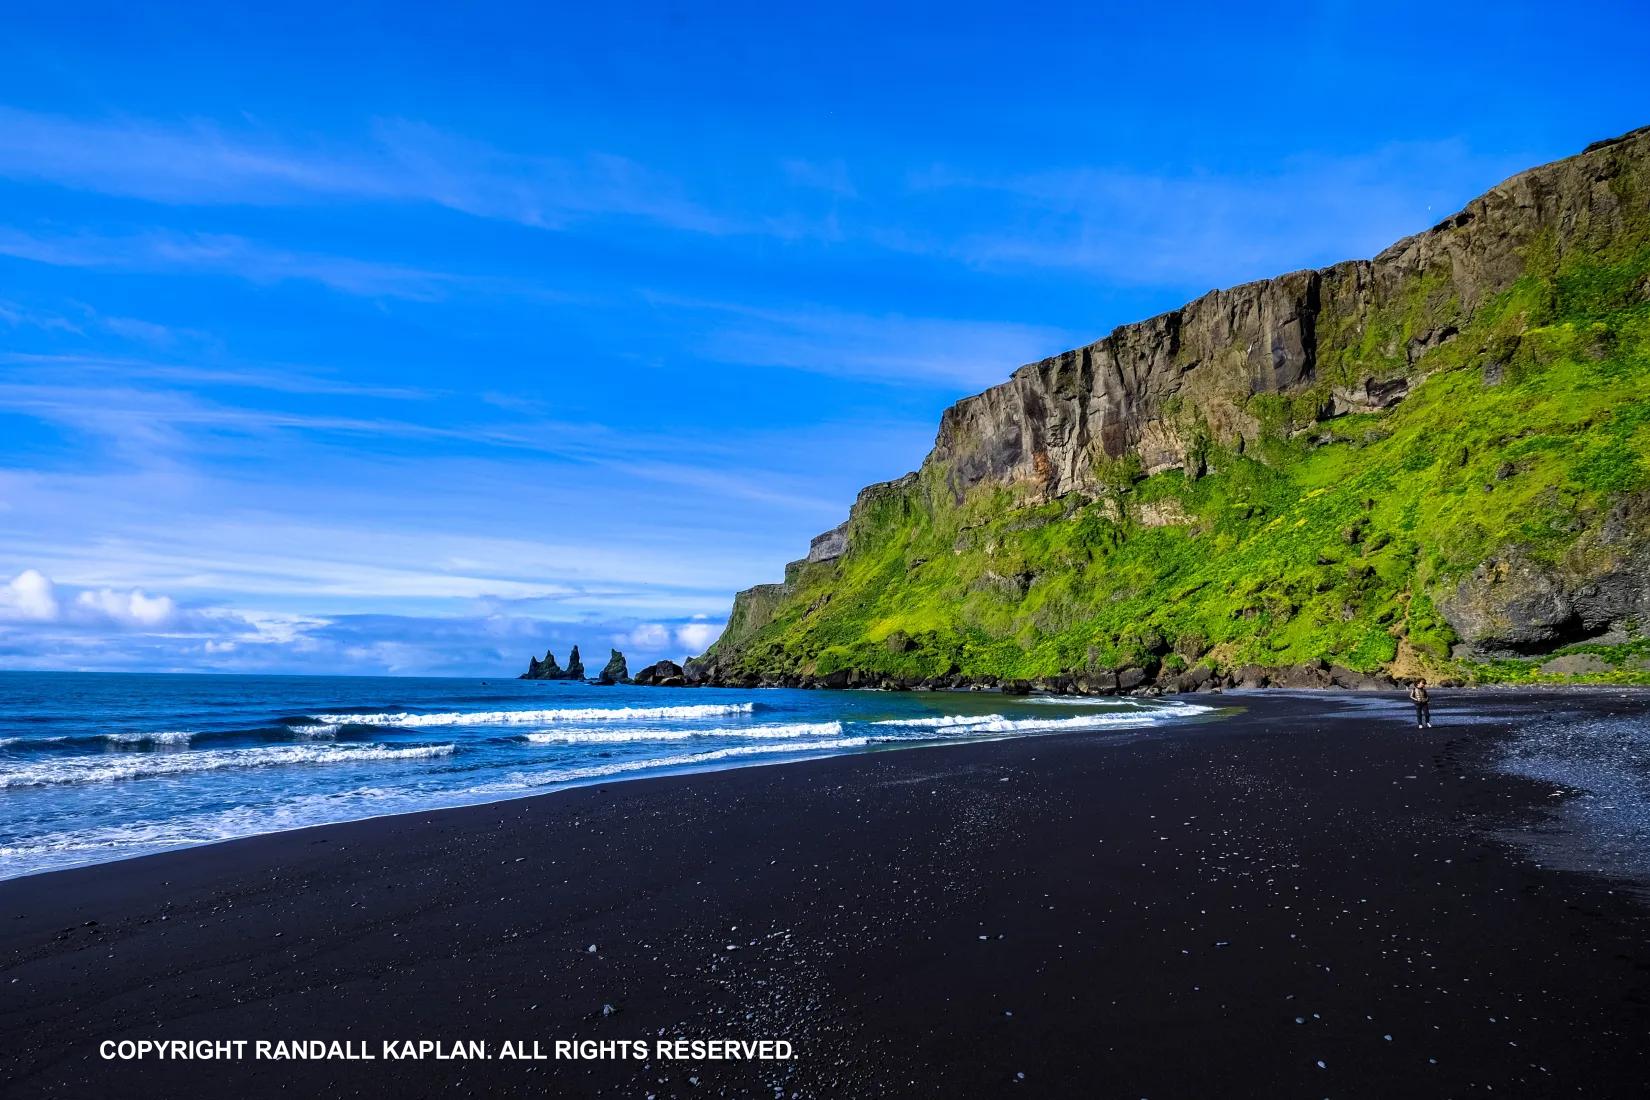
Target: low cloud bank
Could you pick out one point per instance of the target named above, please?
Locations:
(45, 624)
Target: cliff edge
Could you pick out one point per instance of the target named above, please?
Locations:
(1430, 461)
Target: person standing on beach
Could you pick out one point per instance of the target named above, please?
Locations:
(1423, 704)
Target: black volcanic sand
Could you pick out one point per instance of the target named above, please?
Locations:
(1306, 899)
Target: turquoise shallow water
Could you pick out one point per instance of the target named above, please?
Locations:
(106, 766)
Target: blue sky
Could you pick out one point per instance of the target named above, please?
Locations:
(357, 338)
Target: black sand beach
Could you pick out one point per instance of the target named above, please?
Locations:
(1302, 900)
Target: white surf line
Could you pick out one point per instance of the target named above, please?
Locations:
(601, 737)
(103, 769)
(521, 717)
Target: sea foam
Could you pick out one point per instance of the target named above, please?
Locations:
(996, 723)
(606, 736)
(519, 717)
(159, 737)
(68, 847)
(528, 780)
(106, 769)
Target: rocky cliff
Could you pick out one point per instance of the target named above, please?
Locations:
(1426, 460)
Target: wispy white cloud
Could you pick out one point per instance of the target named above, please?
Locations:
(1178, 226)
(831, 176)
(159, 426)
(549, 192)
(224, 254)
(202, 162)
(1194, 227)
(887, 348)
(194, 161)
(79, 319)
(80, 369)
(728, 484)
(17, 315)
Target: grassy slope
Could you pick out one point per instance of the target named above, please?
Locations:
(1320, 540)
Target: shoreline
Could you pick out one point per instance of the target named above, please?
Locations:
(664, 772)
(779, 757)
(1170, 674)
(891, 908)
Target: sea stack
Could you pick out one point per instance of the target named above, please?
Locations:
(546, 669)
(575, 667)
(616, 671)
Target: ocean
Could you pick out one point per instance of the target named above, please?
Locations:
(96, 767)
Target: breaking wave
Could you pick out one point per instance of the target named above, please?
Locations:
(529, 780)
(519, 717)
(105, 769)
(943, 721)
(161, 737)
(68, 847)
(600, 737)
(996, 723)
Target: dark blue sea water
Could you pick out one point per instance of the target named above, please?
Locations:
(96, 767)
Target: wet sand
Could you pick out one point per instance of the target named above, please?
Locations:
(1310, 897)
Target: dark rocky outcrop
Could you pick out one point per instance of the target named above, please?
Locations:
(1201, 677)
(615, 671)
(548, 669)
(1130, 678)
(1369, 395)
(662, 674)
(1514, 604)
(830, 545)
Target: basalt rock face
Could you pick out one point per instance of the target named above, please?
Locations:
(548, 669)
(830, 545)
(615, 671)
(662, 674)
(1513, 605)
(1526, 286)
(1127, 393)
